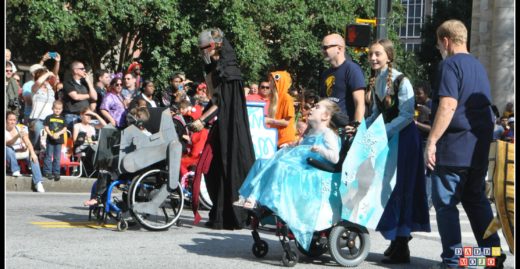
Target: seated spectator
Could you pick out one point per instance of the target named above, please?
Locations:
(113, 107)
(84, 134)
(17, 142)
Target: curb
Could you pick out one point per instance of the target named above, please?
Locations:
(65, 184)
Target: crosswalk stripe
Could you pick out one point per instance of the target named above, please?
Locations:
(435, 234)
(61, 224)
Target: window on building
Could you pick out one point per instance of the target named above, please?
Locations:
(410, 32)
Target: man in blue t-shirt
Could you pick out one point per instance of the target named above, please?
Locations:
(457, 147)
(344, 82)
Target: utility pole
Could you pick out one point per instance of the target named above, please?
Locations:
(382, 7)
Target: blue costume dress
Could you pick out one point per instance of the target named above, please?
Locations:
(306, 198)
(407, 207)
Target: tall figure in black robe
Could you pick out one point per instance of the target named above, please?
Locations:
(228, 154)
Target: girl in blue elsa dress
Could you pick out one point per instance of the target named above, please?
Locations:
(306, 198)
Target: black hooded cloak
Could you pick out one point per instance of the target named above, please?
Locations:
(228, 154)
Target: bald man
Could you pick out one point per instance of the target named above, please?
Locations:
(343, 82)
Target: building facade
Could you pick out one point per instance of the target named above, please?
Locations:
(493, 43)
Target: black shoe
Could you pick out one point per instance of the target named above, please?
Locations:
(209, 224)
(49, 176)
(57, 177)
(390, 248)
(401, 252)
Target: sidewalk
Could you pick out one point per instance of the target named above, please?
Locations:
(65, 184)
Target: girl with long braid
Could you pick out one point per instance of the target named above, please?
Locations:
(407, 208)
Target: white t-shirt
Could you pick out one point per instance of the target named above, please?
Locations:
(42, 103)
(18, 144)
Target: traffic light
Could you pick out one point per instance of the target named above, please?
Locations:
(358, 35)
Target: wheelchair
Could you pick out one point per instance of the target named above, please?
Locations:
(145, 169)
(348, 243)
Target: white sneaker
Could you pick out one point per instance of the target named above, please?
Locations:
(39, 187)
(17, 174)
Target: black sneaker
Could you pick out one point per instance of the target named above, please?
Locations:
(49, 176)
(56, 177)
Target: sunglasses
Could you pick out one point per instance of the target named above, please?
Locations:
(326, 47)
(264, 87)
(8, 71)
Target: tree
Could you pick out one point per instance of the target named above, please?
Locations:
(442, 10)
(267, 34)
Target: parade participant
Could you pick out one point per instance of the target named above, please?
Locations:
(407, 208)
(289, 186)
(281, 110)
(343, 82)
(229, 152)
(457, 147)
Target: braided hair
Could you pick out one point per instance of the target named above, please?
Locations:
(388, 46)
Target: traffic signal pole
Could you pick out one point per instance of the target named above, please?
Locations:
(381, 13)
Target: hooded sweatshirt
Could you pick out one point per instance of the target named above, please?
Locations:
(285, 107)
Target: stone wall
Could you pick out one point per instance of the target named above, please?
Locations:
(493, 43)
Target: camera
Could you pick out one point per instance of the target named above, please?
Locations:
(13, 103)
(53, 54)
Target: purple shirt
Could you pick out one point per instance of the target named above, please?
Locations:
(113, 103)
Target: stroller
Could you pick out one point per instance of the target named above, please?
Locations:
(146, 171)
(347, 242)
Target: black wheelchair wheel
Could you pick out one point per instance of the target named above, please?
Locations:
(315, 250)
(349, 245)
(122, 225)
(260, 249)
(143, 202)
(290, 258)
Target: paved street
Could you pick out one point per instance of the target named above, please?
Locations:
(51, 230)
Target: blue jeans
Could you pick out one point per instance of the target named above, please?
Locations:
(451, 185)
(54, 152)
(13, 163)
(428, 177)
(35, 135)
(70, 119)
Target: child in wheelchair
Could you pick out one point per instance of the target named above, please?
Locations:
(306, 198)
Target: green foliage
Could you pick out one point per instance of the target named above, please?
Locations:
(267, 35)
(442, 10)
